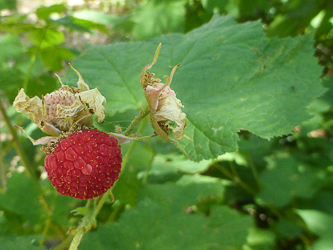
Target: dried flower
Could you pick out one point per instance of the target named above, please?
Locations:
(165, 108)
(58, 111)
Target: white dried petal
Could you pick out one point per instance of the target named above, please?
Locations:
(32, 107)
(70, 111)
(169, 109)
(95, 101)
(167, 91)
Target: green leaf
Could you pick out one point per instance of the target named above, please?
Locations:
(62, 206)
(321, 224)
(328, 96)
(97, 17)
(158, 17)
(297, 17)
(260, 239)
(54, 56)
(127, 187)
(8, 4)
(13, 48)
(21, 242)
(212, 5)
(151, 226)
(80, 25)
(160, 210)
(45, 38)
(177, 163)
(231, 77)
(80, 211)
(288, 229)
(45, 12)
(22, 198)
(284, 180)
(183, 193)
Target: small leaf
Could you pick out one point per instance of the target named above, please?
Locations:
(177, 163)
(45, 12)
(45, 38)
(80, 211)
(80, 25)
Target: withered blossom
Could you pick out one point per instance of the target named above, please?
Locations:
(58, 111)
(164, 106)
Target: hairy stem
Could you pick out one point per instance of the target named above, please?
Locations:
(144, 112)
(145, 177)
(85, 225)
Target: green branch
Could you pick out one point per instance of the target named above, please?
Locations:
(87, 222)
(17, 145)
(144, 112)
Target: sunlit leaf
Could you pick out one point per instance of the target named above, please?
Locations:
(231, 77)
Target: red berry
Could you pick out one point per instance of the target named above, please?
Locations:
(85, 164)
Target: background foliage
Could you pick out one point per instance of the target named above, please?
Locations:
(259, 108)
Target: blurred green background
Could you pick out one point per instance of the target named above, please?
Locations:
(270, 194)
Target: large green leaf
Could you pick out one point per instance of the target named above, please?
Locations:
(150, 226)
(22, 198)
(163, 220)
(231, 77)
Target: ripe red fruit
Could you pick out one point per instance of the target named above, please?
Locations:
(85, 164)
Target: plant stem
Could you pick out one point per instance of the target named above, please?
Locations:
(143, 113)
(85, 225)
(145, 177)
(19, 151)
(133, 144)
(100, 203)
(115, 212)
(64, 245)
(235, 178)
(32, 61)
